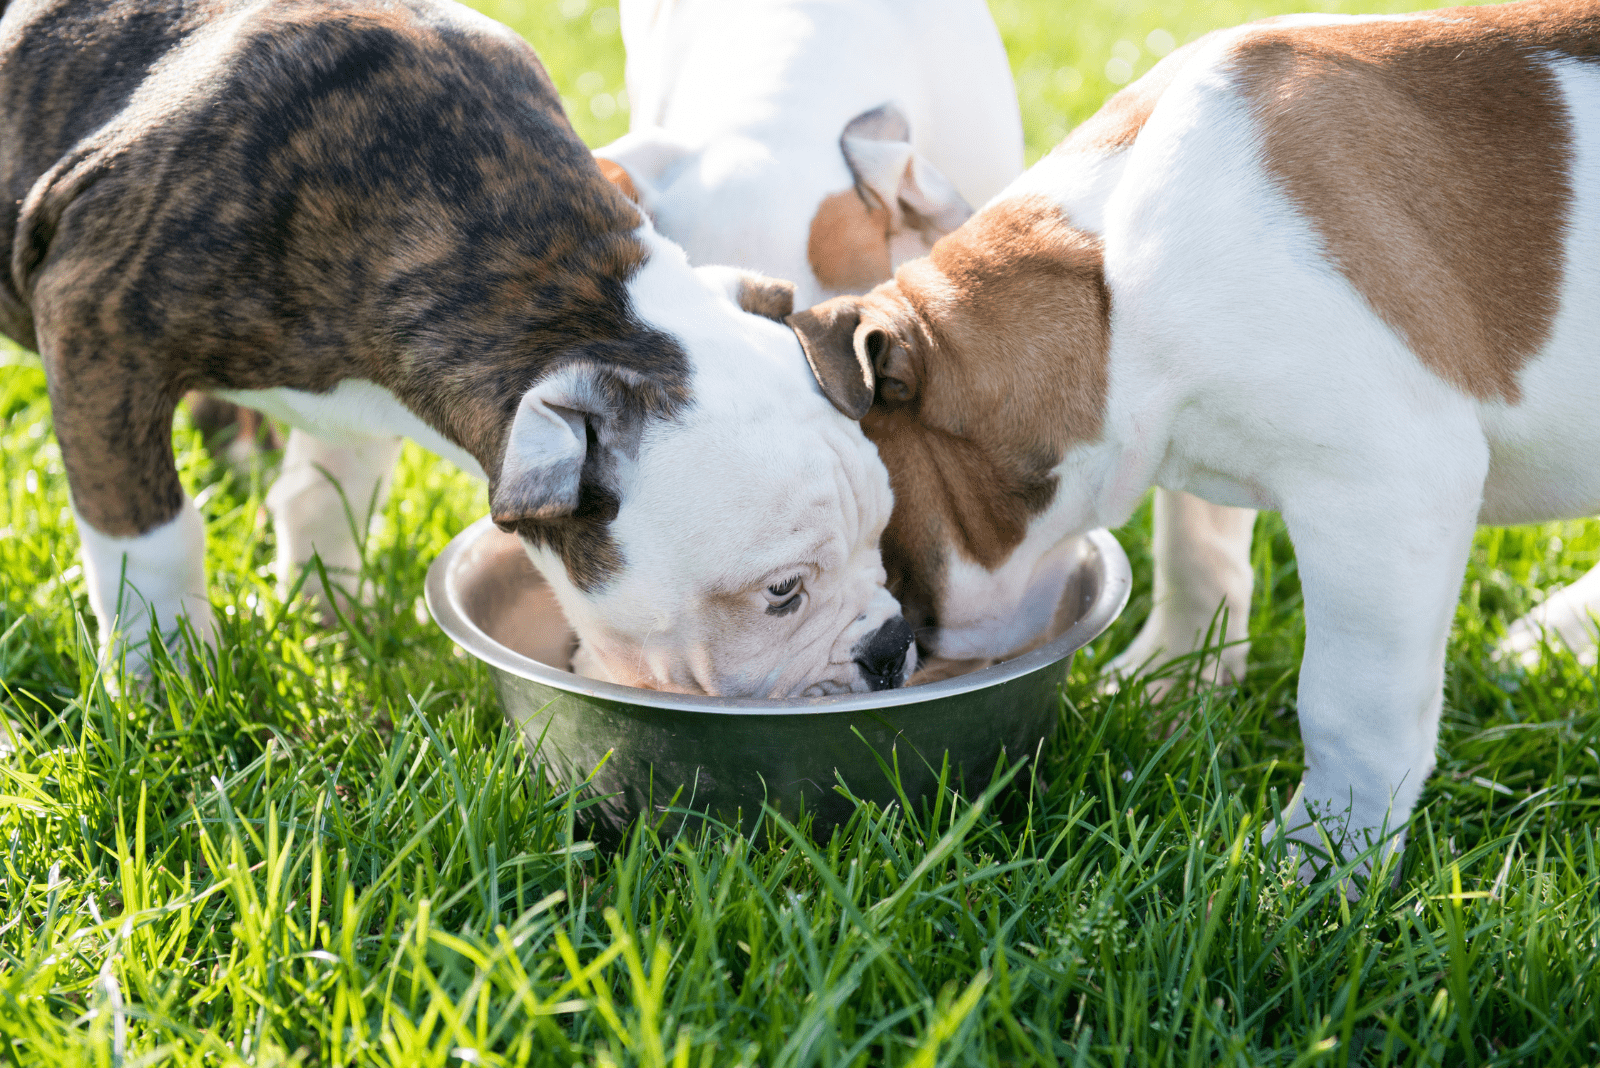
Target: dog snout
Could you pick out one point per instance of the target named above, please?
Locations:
(881, 655)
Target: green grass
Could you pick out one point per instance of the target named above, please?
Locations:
(322, 846)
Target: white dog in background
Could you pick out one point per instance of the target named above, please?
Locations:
(819, 141)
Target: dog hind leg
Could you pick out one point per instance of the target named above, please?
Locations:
(322, 503)
(1202, 563)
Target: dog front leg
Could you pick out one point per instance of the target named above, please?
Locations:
(1381, 573)
(143, 541)
(322, 503)
(145, 582)
(1202, 564)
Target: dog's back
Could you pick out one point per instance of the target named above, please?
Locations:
(251, 156)
(1431, 179)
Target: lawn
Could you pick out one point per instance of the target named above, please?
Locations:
(323, 846)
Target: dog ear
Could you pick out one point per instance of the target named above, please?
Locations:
(542, 466)
(618, 176)
(890, 359)
(920, 200)
(771, 298)
(641, 163)
(831, 336)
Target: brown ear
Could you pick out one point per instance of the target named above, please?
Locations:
(618, 176)
(843, 369)
(769, 297)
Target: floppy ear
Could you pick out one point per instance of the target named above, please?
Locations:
(828, 336)
(618, 176)
(545, 449)
(641, 163)
(877, 146)
(771, 298)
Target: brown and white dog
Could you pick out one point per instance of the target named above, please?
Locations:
(373, 220)
(1346, 268)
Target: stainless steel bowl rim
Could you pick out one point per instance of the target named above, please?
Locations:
(448, 613)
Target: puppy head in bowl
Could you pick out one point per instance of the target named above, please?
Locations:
(980, 372)
(708, 521)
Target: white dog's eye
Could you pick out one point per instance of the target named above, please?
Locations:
(784, 597)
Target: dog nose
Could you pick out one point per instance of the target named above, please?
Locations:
(882, 654)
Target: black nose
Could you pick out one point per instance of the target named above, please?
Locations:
(882, 654)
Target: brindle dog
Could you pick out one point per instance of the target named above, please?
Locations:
(377, 215)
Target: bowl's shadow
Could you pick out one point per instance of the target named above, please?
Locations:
(652, 753)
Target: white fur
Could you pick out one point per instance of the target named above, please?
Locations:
(146, 581)
(322, 503)
(1245, 367)
(738, 109)
(760, 479)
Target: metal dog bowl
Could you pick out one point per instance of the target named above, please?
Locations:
(727, 757)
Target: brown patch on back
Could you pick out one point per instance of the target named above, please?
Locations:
(1005, 329)
(618, 176)
(1432, 156)
(849, 244)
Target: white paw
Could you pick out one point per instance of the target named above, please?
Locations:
(1327, 847)
(1161, 641)
(1565, 619)
(145, 583)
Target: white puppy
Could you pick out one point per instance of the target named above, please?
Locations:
(820, 141)
(1345, 268)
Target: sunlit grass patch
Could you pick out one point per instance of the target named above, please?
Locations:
(321, 845)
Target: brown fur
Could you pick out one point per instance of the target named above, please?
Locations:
(618, 175)
(849, 244)
(215, 194)
(1432, 157)
(771, 298)
(994, 349)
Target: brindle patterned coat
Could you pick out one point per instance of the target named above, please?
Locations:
(226, 194)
